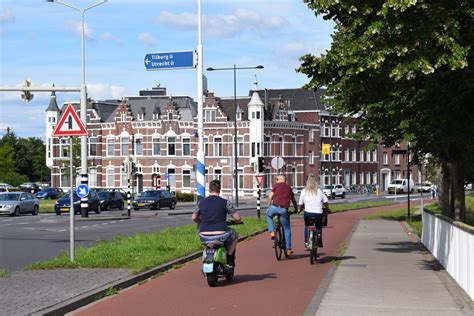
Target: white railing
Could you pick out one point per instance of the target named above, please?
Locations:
(452, 244)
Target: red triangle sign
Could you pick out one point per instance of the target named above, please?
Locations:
(70, 124)
(259, 180)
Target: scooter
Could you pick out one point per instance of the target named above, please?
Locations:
(214, 261)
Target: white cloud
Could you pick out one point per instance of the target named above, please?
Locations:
(6, 17)
(111, 38)
(147, 39)
(294, 50)
(100, 91)
(224, 25)
(77, 27)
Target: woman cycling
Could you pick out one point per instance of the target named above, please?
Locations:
(314, 202)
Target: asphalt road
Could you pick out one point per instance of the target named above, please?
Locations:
(28, 239)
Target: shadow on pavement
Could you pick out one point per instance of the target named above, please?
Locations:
(399, 247)
(241, 278)
(432, 264)
(329, 259)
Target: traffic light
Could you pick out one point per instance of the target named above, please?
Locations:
(261, 164)
(134, 168)
(123, 167)
(27, 95)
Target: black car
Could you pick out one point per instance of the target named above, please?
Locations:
(49, 193)
(154, 200)
(63, 203)
(110, 200)
(29, 187)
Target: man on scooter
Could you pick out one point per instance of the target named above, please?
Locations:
(211, 216)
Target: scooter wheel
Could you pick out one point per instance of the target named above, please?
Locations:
(212, 279)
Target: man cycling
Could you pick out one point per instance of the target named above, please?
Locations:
(211, 216)
(279, 202)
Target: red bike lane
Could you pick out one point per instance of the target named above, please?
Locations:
(261, 286)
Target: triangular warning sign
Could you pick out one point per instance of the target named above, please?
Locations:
(70, 124)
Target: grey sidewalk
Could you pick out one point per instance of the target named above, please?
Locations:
(390, 275)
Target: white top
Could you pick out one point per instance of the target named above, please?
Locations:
(313, 203)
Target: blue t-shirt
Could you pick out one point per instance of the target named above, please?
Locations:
(213, 212)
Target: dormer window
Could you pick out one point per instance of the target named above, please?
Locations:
(123, 117)
(170, 116)
(239, 116)
(156, 116)
(140, 116)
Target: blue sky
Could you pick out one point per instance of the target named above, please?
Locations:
(42, 41)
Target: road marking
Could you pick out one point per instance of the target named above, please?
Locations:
(5, 225)
(24, 223)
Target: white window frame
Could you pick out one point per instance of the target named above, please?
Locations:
(139, 144)
(218, 147)
(186, 146)
(385, 158)
(210, 116)
(168, 144)
(124, 145)
(110, 143)
(110, 177)
(156, 144)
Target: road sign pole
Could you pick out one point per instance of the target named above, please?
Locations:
(84, 200)
(71, 209)
(258, 202)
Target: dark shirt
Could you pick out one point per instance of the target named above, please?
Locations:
(213, 212)
(282, 194)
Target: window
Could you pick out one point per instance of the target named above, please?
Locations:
(310, 157)
(281, 146)
(110, 175)
(218, 147)
(139, 146)
(346, 130)
(385, 158)
(335, 130)
(92, 146)
(368, 178)
(241, 179)
(210, 116)
(310, 135)
(258, 115)
(398, 174)
(156, 146)
(171, 145)
(374, 177)
(396, 158)
(361, 155)
(354, 178)
(186, 178)
(140, 116)
(92, 177)
(267, 146)
(218, 175)
(346, 155)
(354, 155)
(293, 147)
(361, 178)
(206, 146)
(354, 129)
(326, 130)
(110, 147)
(64, 178)
(240, 146)
(49, 147)
(367, 155)
(374, 155)
(186, 147)
(123, 179)
(64, 147)
(123, 117)
(124, 146)
(170, 116)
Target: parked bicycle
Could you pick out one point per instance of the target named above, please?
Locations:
(279, 242)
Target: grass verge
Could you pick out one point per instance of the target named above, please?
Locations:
(3, 273)
(47, 206)
(142, 251)
(343, 207)
(469, 200)
(400, 214)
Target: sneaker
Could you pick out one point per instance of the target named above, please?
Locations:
(289, 252)
(272, 235)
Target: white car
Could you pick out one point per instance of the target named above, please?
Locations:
(401, 186)
(337, 191)
(423, 187)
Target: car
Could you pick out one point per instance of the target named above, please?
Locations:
(338, 190)
(401, 186)
(468, 186)
(49, 193)
(16, 203)
(122, 192)
(29, 187)
(5, 187)
(110, 199)
(423, 187)
(63, 203)
(154, 200)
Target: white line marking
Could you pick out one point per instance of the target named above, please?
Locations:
(24, 223)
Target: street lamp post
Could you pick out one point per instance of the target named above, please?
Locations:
(83, 82)
(235, 122)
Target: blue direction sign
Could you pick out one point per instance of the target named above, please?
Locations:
(170, 60)
(82, 191)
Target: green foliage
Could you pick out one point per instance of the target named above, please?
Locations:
(142, 251)
(25, 160)
(184, 197)
(3, 273)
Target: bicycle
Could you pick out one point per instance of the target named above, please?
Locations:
(279, 241)
(313, 240)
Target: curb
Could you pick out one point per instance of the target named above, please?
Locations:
(100, 292)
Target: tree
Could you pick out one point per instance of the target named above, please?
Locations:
(406, 67)
(9, 173)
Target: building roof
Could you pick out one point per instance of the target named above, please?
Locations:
(53, 105)
(300, 99)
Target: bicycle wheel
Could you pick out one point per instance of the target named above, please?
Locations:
(278, 242)
(313, 250)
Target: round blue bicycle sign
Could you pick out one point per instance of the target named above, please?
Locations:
(82, 190)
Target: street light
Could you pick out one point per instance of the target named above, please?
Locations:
(235, 122)
(83, 85)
